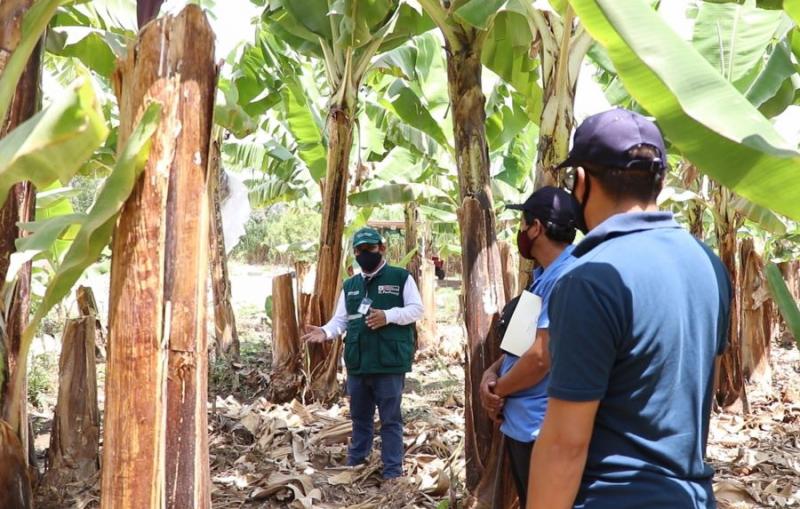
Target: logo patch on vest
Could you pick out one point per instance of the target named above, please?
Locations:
(354, 292)
(388, 289)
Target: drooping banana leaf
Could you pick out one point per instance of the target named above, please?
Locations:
(783, 298)
(395, 193)
(98, 223)
(97, 49)
(403, 102)
(53, 144)
(734, 38)
(33, 24)
(702, 114)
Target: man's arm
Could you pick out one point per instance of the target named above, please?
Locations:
(412, 309)
(335, 327)
(529, 370)
(559, 455)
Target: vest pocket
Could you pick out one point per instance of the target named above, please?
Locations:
(393, 352)
(352, 351)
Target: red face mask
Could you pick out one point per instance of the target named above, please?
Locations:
(524, 244)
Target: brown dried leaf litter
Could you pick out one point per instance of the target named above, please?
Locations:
(291, 455)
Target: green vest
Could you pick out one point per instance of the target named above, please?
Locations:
(389, 349)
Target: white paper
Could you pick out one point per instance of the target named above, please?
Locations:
(521, 330)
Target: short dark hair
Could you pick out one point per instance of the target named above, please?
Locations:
(638, 182)
(553, 231)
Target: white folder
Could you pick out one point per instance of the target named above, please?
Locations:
(521, 330)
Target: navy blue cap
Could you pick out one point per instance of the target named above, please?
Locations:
(550, 204)
(606, 138)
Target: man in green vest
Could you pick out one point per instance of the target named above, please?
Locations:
(377, 308)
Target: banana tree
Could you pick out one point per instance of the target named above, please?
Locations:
(345, 35)
(466, 27)
(713, 113)
(20, 65)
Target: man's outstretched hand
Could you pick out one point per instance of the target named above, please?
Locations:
(314, 334)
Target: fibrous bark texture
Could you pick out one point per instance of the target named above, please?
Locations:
(155, 451)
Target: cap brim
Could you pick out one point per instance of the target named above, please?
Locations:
(370, 242)
(567, 163)
(516, 206)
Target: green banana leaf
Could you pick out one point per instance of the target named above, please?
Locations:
(97, 49)
(702, 114)
(481, 13)
(762, 216)
(53, 144)
(34, 23)
(399, 164)
(403, 102)
(792, 8)
(783, 298)
(778, 71)
(311, 144)
(734, 38)
(395, 193)
(98, 223)
(55, 202)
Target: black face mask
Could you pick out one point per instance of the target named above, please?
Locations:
(368, 260)
(581, 207)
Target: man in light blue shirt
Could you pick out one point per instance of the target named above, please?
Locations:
(514, 389)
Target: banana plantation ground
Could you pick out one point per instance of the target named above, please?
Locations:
(292, 455)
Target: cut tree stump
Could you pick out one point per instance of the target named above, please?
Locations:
(87, 306)
(155, 447)
(287, 350)
(74, 441)
(15, 483)
(426, 328)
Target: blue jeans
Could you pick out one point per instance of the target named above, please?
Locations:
(386, 392)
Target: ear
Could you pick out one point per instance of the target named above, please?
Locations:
(580, 182)
(535, 228)
(382, 247)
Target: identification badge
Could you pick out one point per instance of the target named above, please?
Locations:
(364, 306)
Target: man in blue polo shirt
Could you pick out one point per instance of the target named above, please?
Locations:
(546, 235)
(636, 326)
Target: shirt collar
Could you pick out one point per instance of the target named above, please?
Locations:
(623, 224)
(540, 271)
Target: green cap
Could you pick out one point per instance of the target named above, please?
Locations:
(366, 235)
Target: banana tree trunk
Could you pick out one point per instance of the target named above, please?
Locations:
(562, 49)
(19, 207)
(74, 442)
(730, 378)
(324, 358)
(15, 484)
(147, 10)
(423, 272)
(560, 66)
(287, 349)
(411, 216)
(226, 335)
(693, 181)
(756, 319)
(155, 450)
(483, 294)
